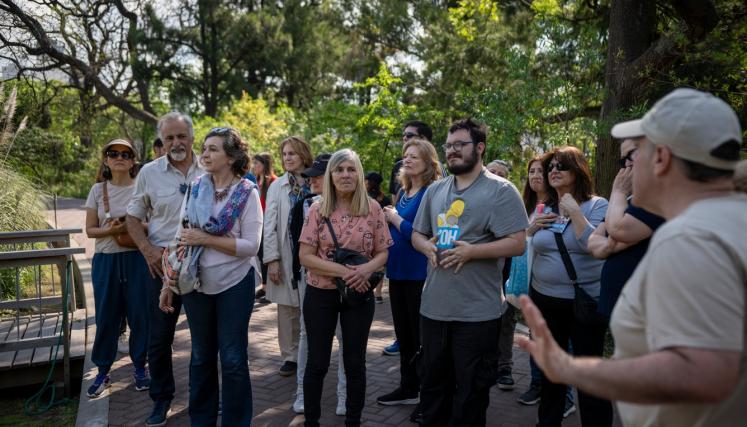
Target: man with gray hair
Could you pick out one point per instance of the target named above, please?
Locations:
(159, 191)
(679, 324)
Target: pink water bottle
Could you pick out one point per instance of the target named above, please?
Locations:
(540, 208)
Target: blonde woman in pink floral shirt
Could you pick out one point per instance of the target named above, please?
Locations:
(359, 225)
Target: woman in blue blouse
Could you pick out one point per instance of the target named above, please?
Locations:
(406, 267)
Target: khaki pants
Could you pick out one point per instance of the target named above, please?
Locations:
(289, 328)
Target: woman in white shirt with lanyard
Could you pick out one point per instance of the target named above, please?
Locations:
(222, 215)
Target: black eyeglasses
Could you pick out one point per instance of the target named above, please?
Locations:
(627, 158)
(557, 166)
(456, 145)
(183, 188)
(125, 155)
(408, 135)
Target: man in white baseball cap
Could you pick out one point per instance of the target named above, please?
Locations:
(679, 325)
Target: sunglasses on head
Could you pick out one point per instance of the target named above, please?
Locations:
(627, 158)
(557, 166)
(114, 154)
(219, 131)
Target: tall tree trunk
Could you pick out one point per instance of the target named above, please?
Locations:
(631, 32)
(634, 52)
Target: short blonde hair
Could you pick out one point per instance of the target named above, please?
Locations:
(301, 147)
(360, 205)
(428, 153)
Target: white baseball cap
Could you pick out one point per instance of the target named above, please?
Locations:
(691, 123)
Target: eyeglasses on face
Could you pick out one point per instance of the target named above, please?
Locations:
(557, 166)
(456, 145)
(408, 135)
(627, 158)
(114, 154)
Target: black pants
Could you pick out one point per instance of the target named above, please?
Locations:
(321, 309)
(404, 296)
(460, 364)
(587, 340)
(161, 338)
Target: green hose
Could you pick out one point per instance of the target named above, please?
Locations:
(35, 400)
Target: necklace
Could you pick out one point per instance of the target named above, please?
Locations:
(405, 200)
(222, 194)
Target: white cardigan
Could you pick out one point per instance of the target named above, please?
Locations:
(276, 243)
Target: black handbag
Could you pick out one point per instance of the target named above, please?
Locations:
(350, 257)
(584, 305)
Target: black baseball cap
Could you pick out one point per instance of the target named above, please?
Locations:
(318, 167)
(375, 178)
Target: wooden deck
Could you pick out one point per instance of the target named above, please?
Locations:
(38, 326)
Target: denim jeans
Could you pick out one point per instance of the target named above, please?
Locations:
(162, 326)
(219, 324)
(460, 365)
(321, 310)
(120, 283)
(587, 340)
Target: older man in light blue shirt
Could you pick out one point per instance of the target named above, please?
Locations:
(158, 195)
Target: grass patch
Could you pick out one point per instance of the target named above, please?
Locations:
(11, 414)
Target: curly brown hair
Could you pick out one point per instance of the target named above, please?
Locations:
(235, 148)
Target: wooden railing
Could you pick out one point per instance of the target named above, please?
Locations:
(21, 250)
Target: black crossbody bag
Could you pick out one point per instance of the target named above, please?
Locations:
(350, 257)
(584, 306)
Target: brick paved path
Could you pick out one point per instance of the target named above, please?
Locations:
(273, 394)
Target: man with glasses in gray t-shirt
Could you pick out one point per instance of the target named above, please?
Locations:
(467, 224)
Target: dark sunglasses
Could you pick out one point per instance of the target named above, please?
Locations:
(628, 158)
(125, 155)
(557, 166)
(408, 135)
(219, 131)
(183, 188)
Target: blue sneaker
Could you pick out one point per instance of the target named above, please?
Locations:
(101, 383)
(392, 350)
(160, 412)
(142, 379)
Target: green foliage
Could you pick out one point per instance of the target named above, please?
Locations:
(260, 127)
(21, 204)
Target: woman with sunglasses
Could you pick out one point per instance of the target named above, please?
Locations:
(572, 212)
(119, 274)
(222, 216)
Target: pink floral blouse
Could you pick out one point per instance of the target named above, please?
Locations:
(368, 235)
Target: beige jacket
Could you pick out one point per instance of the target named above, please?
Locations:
(276, 243)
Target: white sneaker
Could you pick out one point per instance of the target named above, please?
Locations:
(298, 404)
(123, 344)
(341, 411)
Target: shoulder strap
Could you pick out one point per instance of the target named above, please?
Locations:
(566, 258)
(106, 201)
(332, 232)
